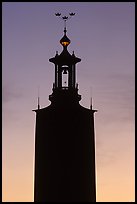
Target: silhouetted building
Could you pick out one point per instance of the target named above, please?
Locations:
(64, 143)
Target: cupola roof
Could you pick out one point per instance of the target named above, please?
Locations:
(65, 41)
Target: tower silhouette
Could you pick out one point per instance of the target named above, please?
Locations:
(64, 138)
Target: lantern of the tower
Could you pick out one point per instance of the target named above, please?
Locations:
(65, 64)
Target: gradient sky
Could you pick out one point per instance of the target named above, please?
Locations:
(103, 36)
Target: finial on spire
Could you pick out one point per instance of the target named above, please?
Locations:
(65, 18)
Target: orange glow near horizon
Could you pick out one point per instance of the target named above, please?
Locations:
(111, 176)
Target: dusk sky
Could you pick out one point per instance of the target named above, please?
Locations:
(103, 36)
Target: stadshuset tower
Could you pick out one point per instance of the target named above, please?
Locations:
(64, 138)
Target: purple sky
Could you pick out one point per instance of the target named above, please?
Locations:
(103, 36)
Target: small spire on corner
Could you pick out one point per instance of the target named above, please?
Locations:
(91, 98)
(91, 103)
(38, 100)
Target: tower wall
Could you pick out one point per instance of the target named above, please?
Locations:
(64, 155)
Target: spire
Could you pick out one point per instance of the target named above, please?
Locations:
(65, 41)
(65, 18)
